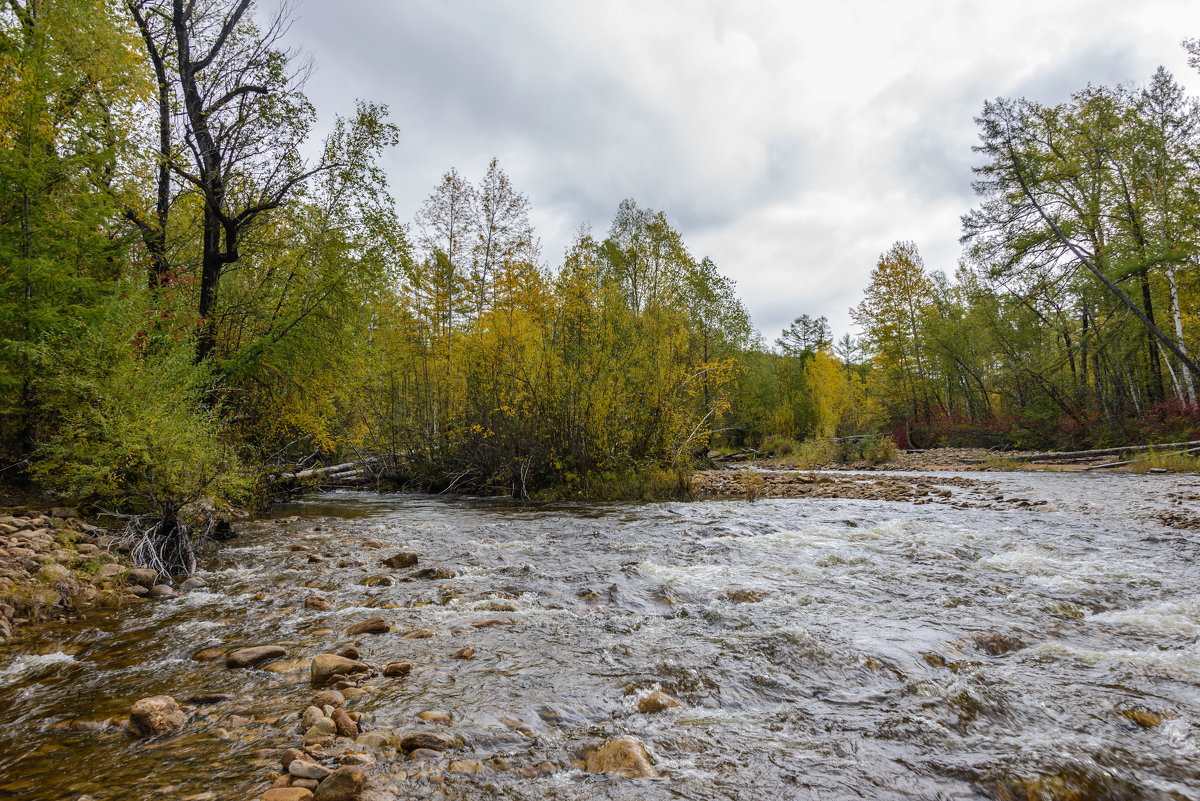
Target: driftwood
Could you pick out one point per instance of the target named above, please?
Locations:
(1085, 456)
(1188, 452)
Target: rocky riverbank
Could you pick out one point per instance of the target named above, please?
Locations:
(55, 566)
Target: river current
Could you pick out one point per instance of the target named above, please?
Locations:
(820, 649)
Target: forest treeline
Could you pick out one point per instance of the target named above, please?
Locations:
(197, 297)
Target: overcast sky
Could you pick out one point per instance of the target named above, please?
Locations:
(792, 142)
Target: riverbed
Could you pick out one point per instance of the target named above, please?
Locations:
(822, 648)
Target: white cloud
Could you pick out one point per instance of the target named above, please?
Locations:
(792, 142)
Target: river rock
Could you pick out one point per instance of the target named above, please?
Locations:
(344, 784)
(467, 652)
(156, 716)
(318, 602)
(657, 701)
(402, 559)
(287, 794)
(162, 591)
(373, 741)
(397, 669)
(210, 654)
(374, 625)
(326, 698)
(624, 756)
(308, 770)
(411, 741)
(254, 656)
(326, 666)
(144, 576)
(435, 716)
(310, 716)
(194, 583)
(54, 573)
(345, 726)
(110, 570)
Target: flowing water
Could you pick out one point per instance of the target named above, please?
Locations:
(821, 649)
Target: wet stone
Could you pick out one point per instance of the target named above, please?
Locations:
(156, 716)
(318, 603)
(394, 669)
(254, 656)
(344, 784)
(374, 625)
(400, 560)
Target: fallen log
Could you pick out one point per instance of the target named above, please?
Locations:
(1083, 456)
(332, 470)
(1189, 452)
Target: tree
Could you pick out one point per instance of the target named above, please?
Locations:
(244, 119)
(805, 336)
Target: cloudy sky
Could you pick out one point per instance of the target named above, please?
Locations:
(792, 142)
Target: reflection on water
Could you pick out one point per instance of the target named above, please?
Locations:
(820, 649)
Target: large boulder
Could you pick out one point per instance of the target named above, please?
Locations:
(624, 756)
(254, 656)
(344, 784)
(326, 666)
(156, 716)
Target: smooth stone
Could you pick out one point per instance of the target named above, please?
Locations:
(345, 726)
(287, 794)
(326, 666)
(624, 756)
(308, 770)
(162, 591)
(310, 716)
(435, 716)
(255, 655)
(374, 625)
(326, 698)
(397, 669)
(402, 559)
(466, 652)
(194, 583)
(344, 784)
(349, 653)
(309, 784)
(156, 716)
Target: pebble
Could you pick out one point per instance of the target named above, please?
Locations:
(397, 669)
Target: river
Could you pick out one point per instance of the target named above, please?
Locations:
(823, 649)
